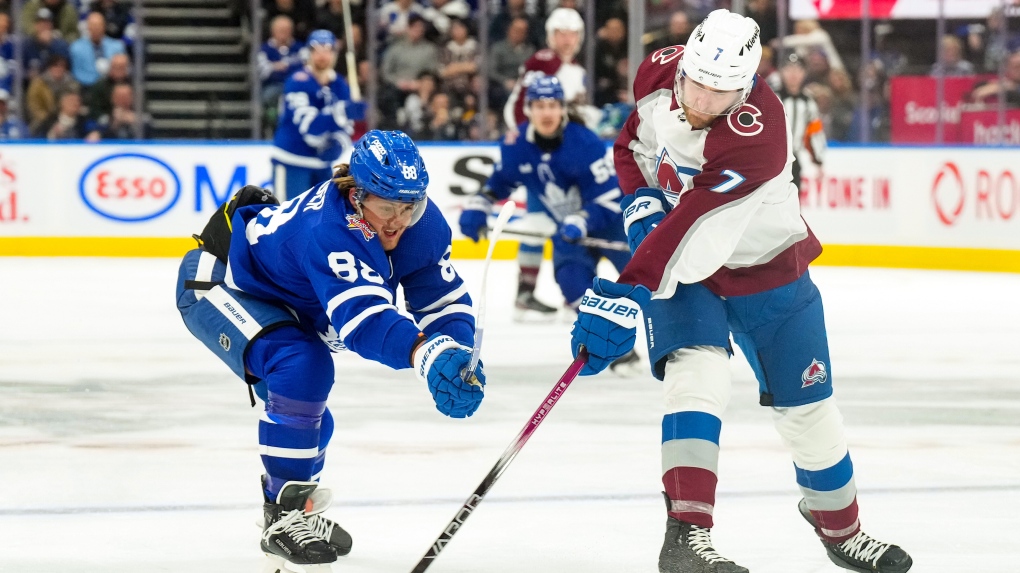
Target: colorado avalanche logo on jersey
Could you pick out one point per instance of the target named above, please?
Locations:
(667, 173)
(355, 222)
(745, 121)
(814, 374)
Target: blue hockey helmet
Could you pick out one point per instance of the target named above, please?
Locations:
(544, 87)
(322, 38)
(387, 164)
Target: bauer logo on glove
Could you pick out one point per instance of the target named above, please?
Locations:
(609, 306)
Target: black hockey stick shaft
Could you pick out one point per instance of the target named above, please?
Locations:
(511, 452)
(583, 241)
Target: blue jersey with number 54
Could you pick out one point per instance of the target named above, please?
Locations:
(316, 256)
(577, 176)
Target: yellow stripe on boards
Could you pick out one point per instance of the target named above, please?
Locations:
(96, 246)
(943, 258)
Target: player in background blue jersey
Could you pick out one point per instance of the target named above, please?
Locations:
(316, 120)
(571, 186)
(275, 287)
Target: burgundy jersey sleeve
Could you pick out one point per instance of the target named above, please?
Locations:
(740, 211)
(634, 157)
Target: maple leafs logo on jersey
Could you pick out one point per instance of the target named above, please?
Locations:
(355, 222)
(814, 374)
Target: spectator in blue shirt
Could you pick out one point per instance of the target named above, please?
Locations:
(90, 54)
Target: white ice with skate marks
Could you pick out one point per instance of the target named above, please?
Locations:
(127, 447)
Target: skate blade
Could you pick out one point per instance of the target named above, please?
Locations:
(277, 564)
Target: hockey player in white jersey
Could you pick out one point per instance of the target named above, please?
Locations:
(274, 288)
(720, 249)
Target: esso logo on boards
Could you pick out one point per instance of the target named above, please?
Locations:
(129, 187)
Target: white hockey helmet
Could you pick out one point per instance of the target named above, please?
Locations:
(564, 19)
(723, 54)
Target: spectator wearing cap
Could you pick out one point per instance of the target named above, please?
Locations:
(120, 24)
(402, 63)
(281, 55)
(801, 114)
(44, 43)
(120, 123)
(7, 62)
(68, 122)
(90, 55)
(97, 96)
(41, 99)
(63, 14)
(10, 126)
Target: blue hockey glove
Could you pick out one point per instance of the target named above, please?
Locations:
(642, 212)
(439, 362)
(475, 217)
(607, 322)
(574, 227)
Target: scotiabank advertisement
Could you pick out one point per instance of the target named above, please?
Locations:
(913, 109)
(851, 9)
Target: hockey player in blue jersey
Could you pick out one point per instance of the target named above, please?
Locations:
(571, 184)
(316, 120)
(275, 287)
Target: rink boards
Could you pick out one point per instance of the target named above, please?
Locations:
(910, 207)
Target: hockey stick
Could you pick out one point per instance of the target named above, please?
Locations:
(352, 64)
(522, 438)
(505, 213)
(583, 241)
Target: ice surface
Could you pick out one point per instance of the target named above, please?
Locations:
(125, 446)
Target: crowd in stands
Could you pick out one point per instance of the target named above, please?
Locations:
(429, 69)
(76, 72)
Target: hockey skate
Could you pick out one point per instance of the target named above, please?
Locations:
(861, 552)
(318, 502)
(688, 549)
(527, 308)
(287, 537)
(627, 366)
